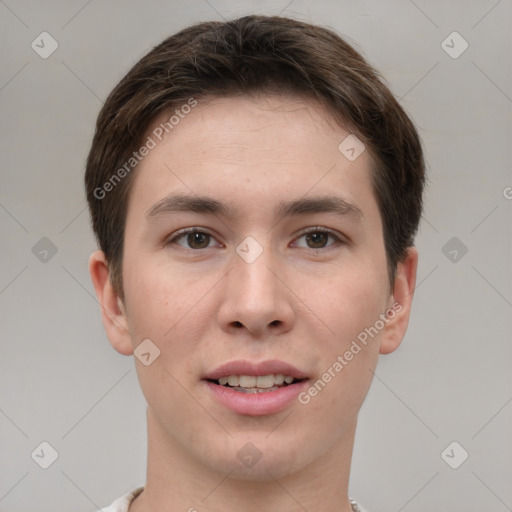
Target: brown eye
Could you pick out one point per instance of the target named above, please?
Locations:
(192, 239)
(317, 240)
(198, 240)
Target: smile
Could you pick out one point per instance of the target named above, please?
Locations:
(256, 384)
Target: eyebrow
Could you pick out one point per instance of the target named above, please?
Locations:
(175, 203)
(185, 203)
(322, 204)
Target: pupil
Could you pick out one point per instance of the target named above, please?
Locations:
(318, 239)
(198, 239)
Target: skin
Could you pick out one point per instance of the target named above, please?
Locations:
(303, 301)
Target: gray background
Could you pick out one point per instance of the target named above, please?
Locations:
(61, 382)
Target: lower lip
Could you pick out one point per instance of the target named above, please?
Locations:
(257, 404)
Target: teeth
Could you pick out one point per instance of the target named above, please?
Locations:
(265, 381)
(250, 382)
(233, 380)
(247, 381)
(256, 390)
(279, 379)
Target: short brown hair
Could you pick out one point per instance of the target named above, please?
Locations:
(256, 54)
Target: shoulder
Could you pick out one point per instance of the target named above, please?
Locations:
(123, 503)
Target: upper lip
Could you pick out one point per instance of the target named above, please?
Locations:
(244, 367)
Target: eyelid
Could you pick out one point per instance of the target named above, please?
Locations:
(340, 239)
(180, 233)
(313, 229)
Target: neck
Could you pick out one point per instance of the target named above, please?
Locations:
(176, 481)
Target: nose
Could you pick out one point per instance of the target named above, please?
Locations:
(256, 297)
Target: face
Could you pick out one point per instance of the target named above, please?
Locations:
(254, 253)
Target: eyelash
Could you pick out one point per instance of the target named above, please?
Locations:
(184, 232)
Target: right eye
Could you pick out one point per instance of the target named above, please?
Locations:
(191, 238)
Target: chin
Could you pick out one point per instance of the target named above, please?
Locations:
(263, 471)
(256, 458)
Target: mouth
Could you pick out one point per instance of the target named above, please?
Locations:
(255, 383)
(255, 389)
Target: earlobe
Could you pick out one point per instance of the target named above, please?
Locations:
(399, 312)
(113, 312)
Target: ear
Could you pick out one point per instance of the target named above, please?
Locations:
(399, 309)
(112, 309)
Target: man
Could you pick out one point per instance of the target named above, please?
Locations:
(255, 190)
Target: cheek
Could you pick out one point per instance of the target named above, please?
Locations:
(349, 300)
(157, 297)
(350, 305)
(170, 309)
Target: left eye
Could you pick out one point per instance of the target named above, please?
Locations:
(318, 239)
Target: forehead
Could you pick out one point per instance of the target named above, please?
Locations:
(228, 125)
(262, 147)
